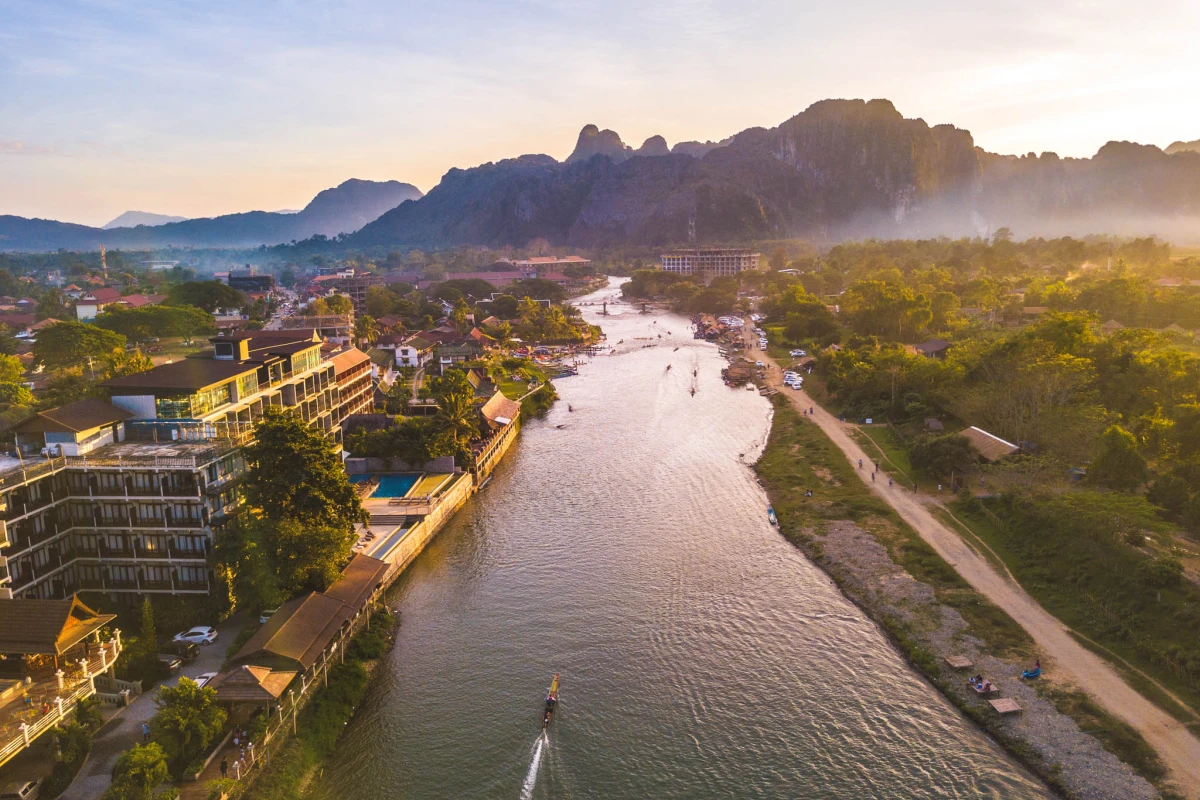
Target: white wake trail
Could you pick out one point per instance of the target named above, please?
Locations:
(531, 778)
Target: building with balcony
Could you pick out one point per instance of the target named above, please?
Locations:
(709, 262)
(127, 497)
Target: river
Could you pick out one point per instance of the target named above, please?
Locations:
(625, 545)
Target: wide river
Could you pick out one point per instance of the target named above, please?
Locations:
(625, 545)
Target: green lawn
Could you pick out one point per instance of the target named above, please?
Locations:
(1067, 583)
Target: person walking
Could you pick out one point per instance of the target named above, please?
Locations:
(145, 731)
(224, 769)
(860, 463)
(872, 477)
(889, 483)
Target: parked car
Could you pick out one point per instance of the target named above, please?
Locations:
(201, 634)
(758, 363)
(798, 354)
(203, 679)
(20, 790)
(173, 662)
(185, 650)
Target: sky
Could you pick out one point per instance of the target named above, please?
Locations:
(209, 107)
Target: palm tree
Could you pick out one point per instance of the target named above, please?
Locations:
(366, 329)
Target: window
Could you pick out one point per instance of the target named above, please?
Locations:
(247, 385)
(306, 360)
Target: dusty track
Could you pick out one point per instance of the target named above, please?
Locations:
(1175, 744)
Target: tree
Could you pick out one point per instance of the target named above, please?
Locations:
(380, 301)
(944, 455)
(505, 307)
(1118, 464)
(339, 304)
(294, 473)
(456, 414)
(11, 369)
(366, 329)
(307, 556)
(187, 720)
(138, 771)
(147, 644)
(70, 344)
(208, 295)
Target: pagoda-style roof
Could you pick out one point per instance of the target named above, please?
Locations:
(47, 627)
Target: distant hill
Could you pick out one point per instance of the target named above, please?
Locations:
(1180, 147)
(343, 209)
(841, 168)
(131, 219)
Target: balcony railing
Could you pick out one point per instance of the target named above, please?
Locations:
(22, 723)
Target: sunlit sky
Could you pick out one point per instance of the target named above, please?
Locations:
(210, 107)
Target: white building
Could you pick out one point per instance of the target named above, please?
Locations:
(709, 262)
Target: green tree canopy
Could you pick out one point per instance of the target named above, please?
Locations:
(137, 772)
(187, 720)
(1118, 464)
(139, 324)
(208, 295)
(70, 344)
(294, 474)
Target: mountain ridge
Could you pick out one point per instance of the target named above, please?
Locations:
(344, 208)
(838, 169)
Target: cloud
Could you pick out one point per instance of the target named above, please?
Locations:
(13, 147)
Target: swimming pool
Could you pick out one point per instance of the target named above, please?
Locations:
(390, 484)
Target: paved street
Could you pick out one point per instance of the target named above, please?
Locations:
(125, 731)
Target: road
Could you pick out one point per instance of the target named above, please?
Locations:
(125, 730)
(1178, 748)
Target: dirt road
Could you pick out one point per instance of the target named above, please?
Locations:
(1176, 746)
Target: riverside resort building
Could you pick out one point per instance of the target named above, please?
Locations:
(126, 496)
(709, 262)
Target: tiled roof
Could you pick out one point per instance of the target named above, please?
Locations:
(358, 581)
(250, 684)
(82, 415)
(46, 627)
(297, 632)
(990, 447)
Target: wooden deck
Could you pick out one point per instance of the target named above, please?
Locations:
(959, 662)
(1005, 705)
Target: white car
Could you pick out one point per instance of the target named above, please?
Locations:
(201, 634)
(797, 354)
(758, 363)
(203, 679)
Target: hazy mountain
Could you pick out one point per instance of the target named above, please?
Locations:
(131, 219)
(343, 209)
(1179, 147)
(841, 168)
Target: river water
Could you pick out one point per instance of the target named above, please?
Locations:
(625, 545)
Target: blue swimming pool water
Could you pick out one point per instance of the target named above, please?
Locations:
(392, 485)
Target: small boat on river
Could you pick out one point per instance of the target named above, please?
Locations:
(771, 516)
(551, 703)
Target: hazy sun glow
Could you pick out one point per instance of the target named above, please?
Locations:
(209, 108)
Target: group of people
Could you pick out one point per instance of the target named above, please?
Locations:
(980, 685)
(245, 759)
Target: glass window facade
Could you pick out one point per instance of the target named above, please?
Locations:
(196, 405)
(247, 385)
(306, 360)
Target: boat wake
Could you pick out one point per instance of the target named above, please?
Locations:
(531, 777)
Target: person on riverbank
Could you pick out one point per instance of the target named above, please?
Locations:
(224, 768)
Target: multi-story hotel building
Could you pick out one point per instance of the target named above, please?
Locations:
(126, 497)
(709, 262)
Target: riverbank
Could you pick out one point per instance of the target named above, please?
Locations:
(930, 613)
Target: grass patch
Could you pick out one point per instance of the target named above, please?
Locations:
(1117, 737)
(1092, 585)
